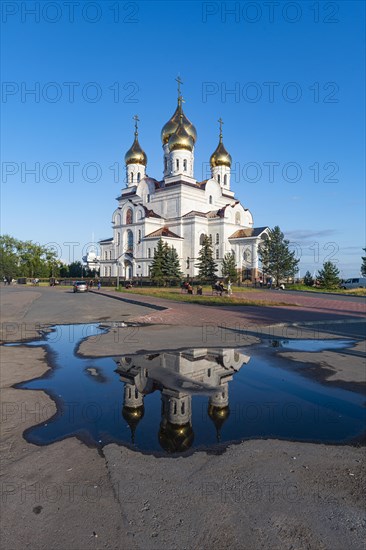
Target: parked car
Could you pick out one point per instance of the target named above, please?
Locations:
(80, 286)
(356, 282)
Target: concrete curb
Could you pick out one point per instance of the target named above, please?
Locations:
(129, 300)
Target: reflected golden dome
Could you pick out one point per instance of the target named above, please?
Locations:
(133, 415)
(172, 125)
(180, 139)
(218, 415)
(174, 438)
(135, 155)
(220, 157)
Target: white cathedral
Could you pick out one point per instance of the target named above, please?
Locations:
(178, 209)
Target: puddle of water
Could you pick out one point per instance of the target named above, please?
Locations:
(180, 400)
(311, 345)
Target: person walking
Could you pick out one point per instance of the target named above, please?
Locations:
(99, 285)
(229, 291)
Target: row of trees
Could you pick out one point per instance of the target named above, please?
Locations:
(28, 259)
(277, 260)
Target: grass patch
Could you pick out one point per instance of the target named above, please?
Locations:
(206, 299)
(352, 292)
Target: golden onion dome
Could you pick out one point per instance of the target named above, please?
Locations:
(220, 157)
(180, 139)
(172, 125)
(133, 415)
(174, 438)
(218, 415)
(136, 155)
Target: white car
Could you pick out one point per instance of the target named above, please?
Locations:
(356, 282)
(80, 286)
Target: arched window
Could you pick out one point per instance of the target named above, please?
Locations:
(129, 241)
(217, 238)
(129, 214)
(210, 199)
(136, 393)
(139, 235)
(131, 177)
(106, 255)
(185, 165)
(105, 271)
(177, 164)
(118, 238)
(129, 392)
(117, 219)
(218, 178)
(165, 164)
(210, 238)
(238, 218)
(110, 254)
(182, 407)
(148, 198)
(175, 408)
(149, 252)
(217, 253)
(225, 179)
(202, 238)
(138, 177)
(110, 271)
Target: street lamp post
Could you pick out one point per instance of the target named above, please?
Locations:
(118, 264)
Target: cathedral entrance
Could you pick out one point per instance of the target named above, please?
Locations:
(128, 270)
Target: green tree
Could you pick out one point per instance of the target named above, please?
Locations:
(26, 258)
(172, 266)
(76, 269)
(308, 279)
(158, 269)
(9, 259)
(206, 265)
(363, 265)
(228, 267)
(276, 258)
(328, 277)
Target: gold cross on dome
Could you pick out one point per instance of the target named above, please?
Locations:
(136, 119)
(221, 122)
(180, 81)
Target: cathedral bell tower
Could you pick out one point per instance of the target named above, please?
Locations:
(178, 137)
(135, 160)
(220, 162)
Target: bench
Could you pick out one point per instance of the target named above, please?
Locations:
(216, 290)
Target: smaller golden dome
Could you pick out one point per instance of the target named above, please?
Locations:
(136, 155)
(220, 157)
(218, 415)
(133, 415)
(180, 139)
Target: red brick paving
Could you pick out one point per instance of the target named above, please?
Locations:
(308, 309)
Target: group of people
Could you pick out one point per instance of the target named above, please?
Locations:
(220, 287)
(267, 283)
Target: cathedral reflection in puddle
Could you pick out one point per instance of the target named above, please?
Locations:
(180, 400)
(178, 376)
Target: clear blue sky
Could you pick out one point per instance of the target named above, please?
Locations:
(298, 73)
